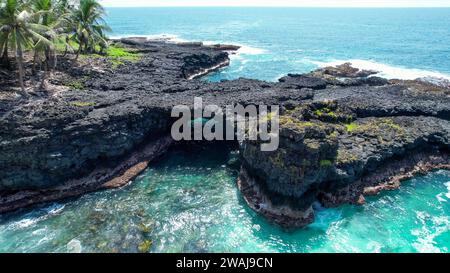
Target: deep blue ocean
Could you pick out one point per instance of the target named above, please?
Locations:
(189, 201)
(400, 43)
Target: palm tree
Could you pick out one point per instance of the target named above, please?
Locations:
(4, 32)
(50, 16)
(63, 10)
(89, 26)
(37, 24)
(21, 31)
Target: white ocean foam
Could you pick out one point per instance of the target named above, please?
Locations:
(375, 247)
(388, 71)
(24, 223)
(31, 220)
(249, 50)
(384, 70)
(431, 228)
(448, 189)
(441, 195)
(210, 42)
(244, 49)
(74, 246)
(440, 198)
(238, 55)
(55, 209)
(166, 37)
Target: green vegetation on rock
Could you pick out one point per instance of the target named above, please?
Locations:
(391, 124)
(326, 163)
(293, 122)
(325, 112)
(115, 51)
(374, 126)
(344, 156)
(144, 228)
(329, 111)
(47, 27)
(278, 158)
(117, 55)
(77, 84)
(351, 127)
(145, 246)
(82, 103)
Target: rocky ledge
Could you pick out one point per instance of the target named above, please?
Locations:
(356, 136)
(344, 133)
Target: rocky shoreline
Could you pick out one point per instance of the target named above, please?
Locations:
(386, 178)
(344, 133)
(101, 178)
(355, 137)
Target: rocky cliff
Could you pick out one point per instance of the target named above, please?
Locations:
(355, 137)
(343, 133)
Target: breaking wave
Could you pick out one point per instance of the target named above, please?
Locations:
(389, 71)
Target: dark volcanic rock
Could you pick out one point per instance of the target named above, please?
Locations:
(302, 81)
(346, 75)
(346, 71)
(199, 64)
(330, 144)
(375, 81)
(45, 142)
(63, 141)
(225, 47)
(389, 100)
(337, 126)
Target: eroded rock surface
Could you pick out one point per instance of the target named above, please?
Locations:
(332, 146)
(342, 132)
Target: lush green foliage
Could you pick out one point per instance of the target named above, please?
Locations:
(88, 26)
(118, 55)
(351, 127)
(47, 26)
(82, 103)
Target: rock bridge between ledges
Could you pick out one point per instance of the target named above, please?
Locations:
(344, 133)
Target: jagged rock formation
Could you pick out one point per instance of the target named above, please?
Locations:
(343, 131)
(59, 141)
(331, 146)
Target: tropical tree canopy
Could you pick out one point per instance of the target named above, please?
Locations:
(37, 26)
(89, 25)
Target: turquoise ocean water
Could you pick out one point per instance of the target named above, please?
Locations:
(401, 43)
(189, 201)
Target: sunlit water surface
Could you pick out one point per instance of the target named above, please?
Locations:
(189, 202)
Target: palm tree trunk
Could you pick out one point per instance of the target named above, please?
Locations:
(80, 46)
(5, 52)
(42, 87)
(19, 57)
(66, 49)
(5, 57)
(55, 60)
(47, 56)
(33, 69)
